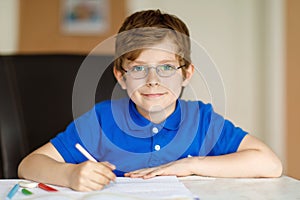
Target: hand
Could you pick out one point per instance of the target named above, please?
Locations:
(89, 176)
(177, 168)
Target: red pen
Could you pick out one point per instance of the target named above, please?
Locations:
(47, 188)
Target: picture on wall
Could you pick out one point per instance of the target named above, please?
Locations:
(85, 17)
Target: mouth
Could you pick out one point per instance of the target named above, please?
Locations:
(153, 95)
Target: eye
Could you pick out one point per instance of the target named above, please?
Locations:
(138, 68)
(166, 67)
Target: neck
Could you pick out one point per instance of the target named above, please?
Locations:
(157, 115)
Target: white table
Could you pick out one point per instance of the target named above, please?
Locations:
(283, 188)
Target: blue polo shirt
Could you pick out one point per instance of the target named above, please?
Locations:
(116, 132)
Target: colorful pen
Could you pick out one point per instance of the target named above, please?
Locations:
(12, 192)
(26, 192)
(47, 188)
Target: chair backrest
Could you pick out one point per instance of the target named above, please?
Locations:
(12, 133)
(36, 101)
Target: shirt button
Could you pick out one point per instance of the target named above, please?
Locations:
(155, 130)
(157, 147)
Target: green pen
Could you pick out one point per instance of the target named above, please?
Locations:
(26, 192)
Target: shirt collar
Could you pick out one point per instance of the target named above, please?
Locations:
(171, 123)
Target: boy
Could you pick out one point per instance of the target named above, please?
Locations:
(152, 133)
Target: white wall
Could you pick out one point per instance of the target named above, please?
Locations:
(235, 35)
(275, 88)
(9, 26)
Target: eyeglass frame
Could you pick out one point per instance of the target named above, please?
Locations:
(147, 67)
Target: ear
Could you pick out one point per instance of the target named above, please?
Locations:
(120, 78)
(189, 71)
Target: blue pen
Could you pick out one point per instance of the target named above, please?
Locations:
(12, 192)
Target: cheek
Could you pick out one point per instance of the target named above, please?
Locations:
(132, 86)
(174, 84)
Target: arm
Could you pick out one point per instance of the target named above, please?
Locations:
(47, 165)
(253, 159)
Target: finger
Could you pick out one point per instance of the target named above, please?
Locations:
(158, 172)
(81, 188)
(108, 164)
(97, 180)
(96, 184)
(135, 174)
(87, 185)
(112, 167)
(100, 179)
(105, 171)
(140, 171)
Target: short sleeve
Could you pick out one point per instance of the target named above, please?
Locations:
(230, 139)
(222, 136)
(65, 143)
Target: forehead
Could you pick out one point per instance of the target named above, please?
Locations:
(155, 56)
(164, 50)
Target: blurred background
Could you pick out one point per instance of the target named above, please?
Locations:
(255, 45)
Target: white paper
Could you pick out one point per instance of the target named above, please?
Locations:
(163, 187)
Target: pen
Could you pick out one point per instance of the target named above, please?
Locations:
(29, 184)
(46, 187)
(26, 192)
(85, 153)
(12, 192)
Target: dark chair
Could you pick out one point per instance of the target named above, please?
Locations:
(12, 133)
(36, 101)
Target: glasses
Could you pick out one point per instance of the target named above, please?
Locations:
(141, 71)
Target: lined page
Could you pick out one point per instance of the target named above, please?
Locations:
(155, 188)
(158, 188)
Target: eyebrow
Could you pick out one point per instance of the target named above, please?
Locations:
(160, 62)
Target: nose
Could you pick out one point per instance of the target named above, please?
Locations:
(152, 78)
